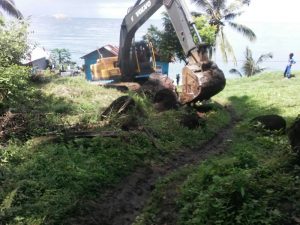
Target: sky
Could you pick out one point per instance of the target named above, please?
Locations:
(258, 11)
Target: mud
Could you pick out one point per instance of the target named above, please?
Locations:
(122, 204)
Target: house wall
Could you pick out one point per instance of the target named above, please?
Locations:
(88, 61)
(40, 64)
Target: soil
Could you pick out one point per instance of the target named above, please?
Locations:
(122, 204)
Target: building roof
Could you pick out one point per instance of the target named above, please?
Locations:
(114, 50)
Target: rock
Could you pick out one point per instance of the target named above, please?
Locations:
(270, 122)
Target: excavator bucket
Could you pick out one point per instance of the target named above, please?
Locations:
(201, 82)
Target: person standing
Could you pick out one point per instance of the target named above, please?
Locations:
(287, 72)
(177, 79)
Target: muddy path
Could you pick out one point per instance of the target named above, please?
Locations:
(121, 205)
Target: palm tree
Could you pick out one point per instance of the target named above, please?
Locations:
(250, 66)
(220, 14)
(10, 7)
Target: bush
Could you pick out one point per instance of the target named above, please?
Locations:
(14, 85)
(13, 42)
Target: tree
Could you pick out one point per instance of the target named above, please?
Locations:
(250, 66)
(60, 56)
(10, 7)
(220, 14)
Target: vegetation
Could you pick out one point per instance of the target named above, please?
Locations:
(13, 86)
(255, 182)
(166, 41)
(220, 14)
(206, 30)
(10, 7)
(250, 66)
(43, 182)
(13, 79)
(13, 42)
(46, 174)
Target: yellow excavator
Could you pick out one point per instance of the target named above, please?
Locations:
(201, 78)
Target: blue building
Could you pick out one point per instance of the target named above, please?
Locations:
(91, 58)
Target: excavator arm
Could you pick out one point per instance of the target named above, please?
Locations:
(200, 77)
(134, 19)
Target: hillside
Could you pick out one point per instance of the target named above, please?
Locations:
(50, 177)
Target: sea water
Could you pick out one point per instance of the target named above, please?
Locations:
(83, 35)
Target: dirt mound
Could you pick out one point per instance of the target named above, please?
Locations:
(270, 122)
(165, 99)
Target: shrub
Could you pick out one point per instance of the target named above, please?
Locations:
(13, 42)
(14, 85)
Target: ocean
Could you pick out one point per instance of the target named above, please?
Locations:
(83, 35)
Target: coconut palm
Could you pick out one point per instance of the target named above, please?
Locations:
(10, 7)
(250, 66)
(221, 14)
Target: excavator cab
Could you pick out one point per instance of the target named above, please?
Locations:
(144, 61)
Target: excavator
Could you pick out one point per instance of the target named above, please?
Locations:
(201, 78)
